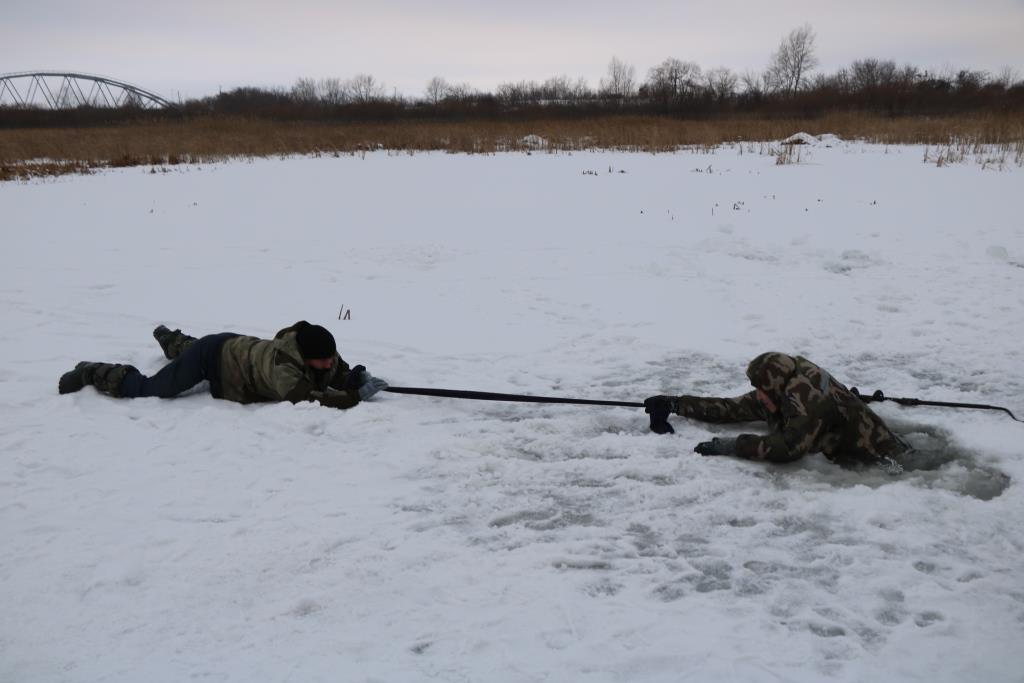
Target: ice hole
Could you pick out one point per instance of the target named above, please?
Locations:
(936, 462)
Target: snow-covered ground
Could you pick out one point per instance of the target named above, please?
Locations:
(416, 539)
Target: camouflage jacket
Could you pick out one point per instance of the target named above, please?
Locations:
(813, 413)
(256, 370)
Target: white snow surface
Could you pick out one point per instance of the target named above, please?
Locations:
(415, 539)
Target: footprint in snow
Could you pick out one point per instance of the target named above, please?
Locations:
(304, 608)
(928, 618)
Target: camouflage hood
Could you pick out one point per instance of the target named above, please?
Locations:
(771, 372)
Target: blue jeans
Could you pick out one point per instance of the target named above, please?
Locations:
(199, 361)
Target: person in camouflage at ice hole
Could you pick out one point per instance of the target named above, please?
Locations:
(300, 363)
(807, 410)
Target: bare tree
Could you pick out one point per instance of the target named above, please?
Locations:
(305, 90)
(581, 89)
(363, 88)
(788, 68)
(436, 89)
(968, 80)
(673, 78)
(518, 92)
(332, 91)
(1006, 77)
(557, 88)
(753, 83)
(621, 80)
(908, 76)
(563, 89)
(721, 83)
(840, 81)
(872, 73)
(459, 92)
(508, 92)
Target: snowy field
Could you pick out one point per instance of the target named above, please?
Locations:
(419, 539)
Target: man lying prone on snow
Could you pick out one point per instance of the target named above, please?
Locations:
(301, 363)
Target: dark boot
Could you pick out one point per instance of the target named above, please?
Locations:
(74, 380)
(173, 342)
(106, 377)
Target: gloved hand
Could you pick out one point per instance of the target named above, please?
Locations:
(332, 398)
(371, 385)
(717, 446)
(355, 378)
(659, 408)
(660, 404)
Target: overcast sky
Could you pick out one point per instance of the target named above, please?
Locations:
(194, 48)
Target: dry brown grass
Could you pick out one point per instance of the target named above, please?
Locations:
(46, 151)
(25, 171)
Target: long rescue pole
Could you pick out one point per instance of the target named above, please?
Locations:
(659, 418)
(518, 398)
(878, 396)
(661, 421)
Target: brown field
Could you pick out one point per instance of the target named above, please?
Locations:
(28, 152)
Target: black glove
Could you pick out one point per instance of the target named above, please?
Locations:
(332, 398)
(659, 408)
(716, 446)
(660, 404)
(354, 379)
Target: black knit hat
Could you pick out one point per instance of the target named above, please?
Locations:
(315, 342)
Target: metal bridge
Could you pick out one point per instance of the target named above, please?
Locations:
(67, 90)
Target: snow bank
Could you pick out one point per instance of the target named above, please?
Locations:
(533, 142)
(801, 139)
(823, 140)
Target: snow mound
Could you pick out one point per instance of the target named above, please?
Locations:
(825, 139)
(533, 142)
(801, 139)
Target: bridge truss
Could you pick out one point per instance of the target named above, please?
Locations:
(68, 90)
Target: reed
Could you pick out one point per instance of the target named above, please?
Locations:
(25, 152)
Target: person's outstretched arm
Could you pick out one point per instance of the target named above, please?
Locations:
(745, 408)
(807, 414)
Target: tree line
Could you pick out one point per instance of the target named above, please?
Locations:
(788, 86)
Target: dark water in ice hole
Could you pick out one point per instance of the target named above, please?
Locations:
(936, 463)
